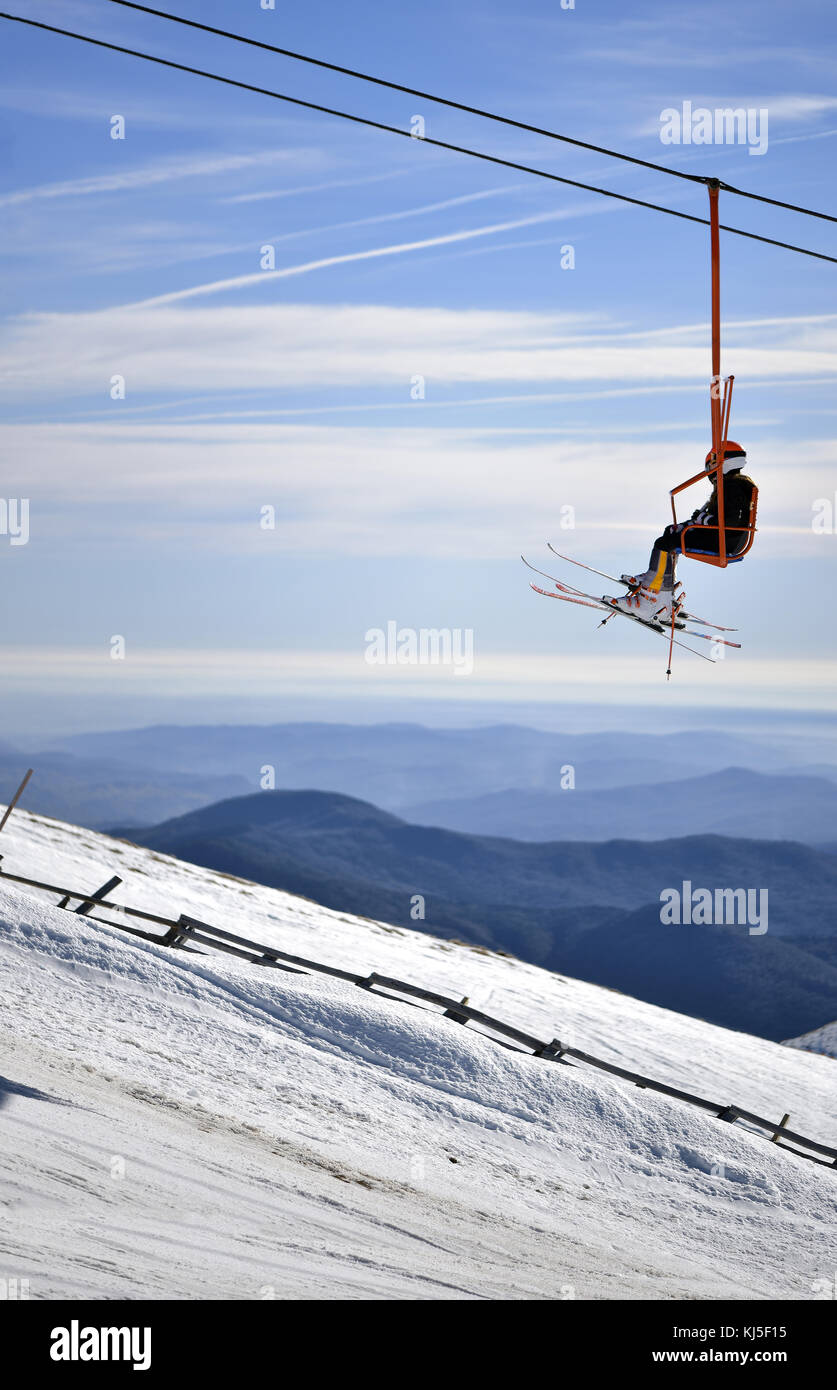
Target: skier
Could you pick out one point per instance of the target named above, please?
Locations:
(653, 592)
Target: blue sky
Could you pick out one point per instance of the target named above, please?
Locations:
(545, 387)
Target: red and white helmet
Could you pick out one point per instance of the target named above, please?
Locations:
(734, 457)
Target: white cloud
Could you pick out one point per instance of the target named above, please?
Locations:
(788, 108)
(177, 349)
(402, 213)
(195, 116)
(375, 491)
(810, 135)
(673, 56)
(265, 276)
(792, 106)
(164, 171)
(155, 244)
(327, 186)
(613, 677)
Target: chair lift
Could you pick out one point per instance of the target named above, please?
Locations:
(720, 411)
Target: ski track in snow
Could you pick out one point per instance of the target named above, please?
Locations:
(187, 1126)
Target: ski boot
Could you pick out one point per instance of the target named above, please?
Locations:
(671, 602)
(651, 607)
(639, 603)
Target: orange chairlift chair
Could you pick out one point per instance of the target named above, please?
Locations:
(720, 409)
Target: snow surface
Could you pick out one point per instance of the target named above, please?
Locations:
(185, 1126)
(822, 1040)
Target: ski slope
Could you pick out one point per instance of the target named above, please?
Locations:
(182, 1126)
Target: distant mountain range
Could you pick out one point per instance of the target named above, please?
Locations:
(95, 792)
(502, 779)
(735, 801)
(569, 879)
(585, 909)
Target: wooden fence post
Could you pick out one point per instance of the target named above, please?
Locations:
(777, 1136)
(16, 798)
(178, 933)
(457, 1018)
(97, 897)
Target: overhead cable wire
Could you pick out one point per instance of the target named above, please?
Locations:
(396, 130)
(463, 106)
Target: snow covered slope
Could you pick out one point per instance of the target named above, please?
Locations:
(822, 1040)
(184, 1126)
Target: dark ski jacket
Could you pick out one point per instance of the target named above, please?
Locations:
(738, 495)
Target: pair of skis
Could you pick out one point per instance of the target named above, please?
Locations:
(569, 594)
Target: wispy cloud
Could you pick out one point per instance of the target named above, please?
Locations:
(792, 106)
(326, 187)
(668, 54)
(377, 218)
(196, 116)
(201, 485)
(173, 409)
(165, 171)
(398, 249)
(165, 346)
(787, 108)
(160, 243)
(810, 135)
(505, 674)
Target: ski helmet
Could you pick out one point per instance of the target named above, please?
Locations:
(734, 457)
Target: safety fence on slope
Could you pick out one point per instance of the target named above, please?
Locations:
(190, 933)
